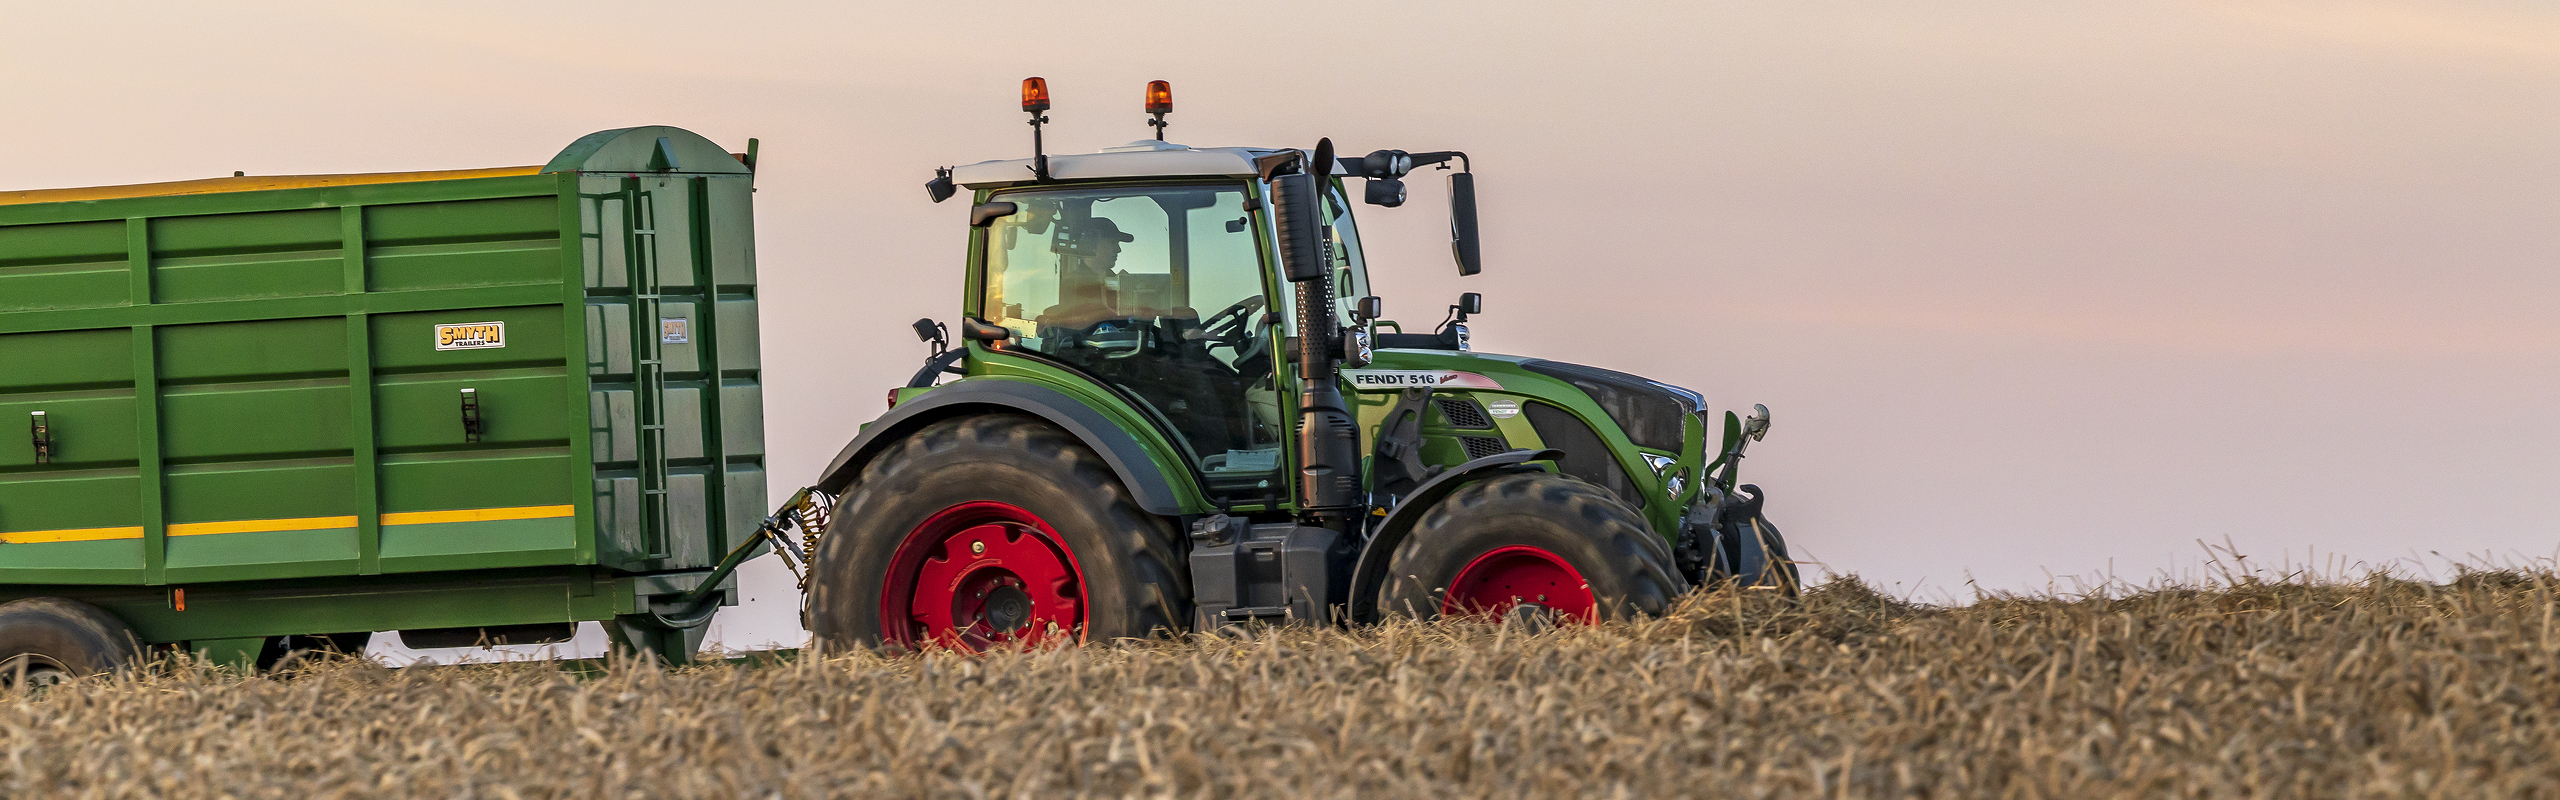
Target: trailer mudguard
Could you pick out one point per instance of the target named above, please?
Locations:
(1371, 573)
(1128, 457)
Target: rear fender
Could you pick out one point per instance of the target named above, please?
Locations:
(1130, 459)
(1371, 574)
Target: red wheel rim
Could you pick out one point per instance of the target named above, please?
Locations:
(982, 575)
(1510, 577)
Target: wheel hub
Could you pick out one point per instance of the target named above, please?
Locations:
(983, 575)
(1520, 577)
(1008, 608)
(32, 672)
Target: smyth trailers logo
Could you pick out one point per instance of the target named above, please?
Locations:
(471, 336)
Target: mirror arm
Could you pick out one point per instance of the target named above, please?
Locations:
(1441, 157)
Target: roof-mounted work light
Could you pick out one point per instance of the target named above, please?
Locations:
(1159, 103)
(1035, 99)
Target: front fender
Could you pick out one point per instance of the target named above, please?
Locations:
(1129, 458)
(1371, 573)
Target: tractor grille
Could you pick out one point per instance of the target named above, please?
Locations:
(1481, 446)
(1586, 455)
(1464, 414)
(1650, 415)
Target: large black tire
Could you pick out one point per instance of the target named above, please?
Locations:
(47, 640)
(1125, 562)
(1625, 567)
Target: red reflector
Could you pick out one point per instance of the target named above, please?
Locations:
(1159, 97)
(893, 398)
(1035, 95)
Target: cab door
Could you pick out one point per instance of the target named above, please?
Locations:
(1158, 294)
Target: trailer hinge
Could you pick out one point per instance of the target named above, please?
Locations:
(43, 437)
(471, 415)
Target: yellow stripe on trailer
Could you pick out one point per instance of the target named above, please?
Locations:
(260, 526)
(71, 535)
(478, 515)
(251, 183)
(296, 524)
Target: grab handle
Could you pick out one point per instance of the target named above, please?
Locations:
(471, 415)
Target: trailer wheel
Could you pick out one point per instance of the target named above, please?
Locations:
(994, 531)
(48, 640)
(305, 646)
(1533, 540)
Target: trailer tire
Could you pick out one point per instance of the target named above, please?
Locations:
(1531, 539)
(1062, 550)
(48, 640)
(304, 647)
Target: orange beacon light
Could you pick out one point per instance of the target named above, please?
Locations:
(1035, 95)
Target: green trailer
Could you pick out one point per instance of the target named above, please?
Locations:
(269, 413)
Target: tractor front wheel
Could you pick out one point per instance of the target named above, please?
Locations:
(1530, 540)
(993, 531)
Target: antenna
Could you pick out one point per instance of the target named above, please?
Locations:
(1035, 99)
(1159, 103)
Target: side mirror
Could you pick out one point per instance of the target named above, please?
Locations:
(976, 331)
(1462, 224)
(1369, 309)
(1387, 192)
(1470, 303)
(1300, 227)
(985, 213)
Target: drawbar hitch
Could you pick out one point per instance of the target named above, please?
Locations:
(808, 510)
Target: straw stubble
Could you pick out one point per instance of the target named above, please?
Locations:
(2381, 688)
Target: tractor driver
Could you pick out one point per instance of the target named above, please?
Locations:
(1089, 252)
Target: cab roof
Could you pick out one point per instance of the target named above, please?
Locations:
(1145, 158)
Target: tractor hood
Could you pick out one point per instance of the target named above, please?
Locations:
(1652, 414)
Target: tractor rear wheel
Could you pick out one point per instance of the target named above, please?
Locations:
(1531, 540)
(994, 531)
(49, 640)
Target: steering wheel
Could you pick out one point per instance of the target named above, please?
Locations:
(1115, 345)
(1227, 326)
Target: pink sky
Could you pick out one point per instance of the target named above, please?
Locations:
(2032, 288)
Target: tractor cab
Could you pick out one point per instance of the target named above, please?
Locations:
(1151, 270)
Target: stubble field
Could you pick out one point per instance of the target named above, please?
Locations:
(2377, 688)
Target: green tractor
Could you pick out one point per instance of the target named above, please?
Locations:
(1177, 407)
